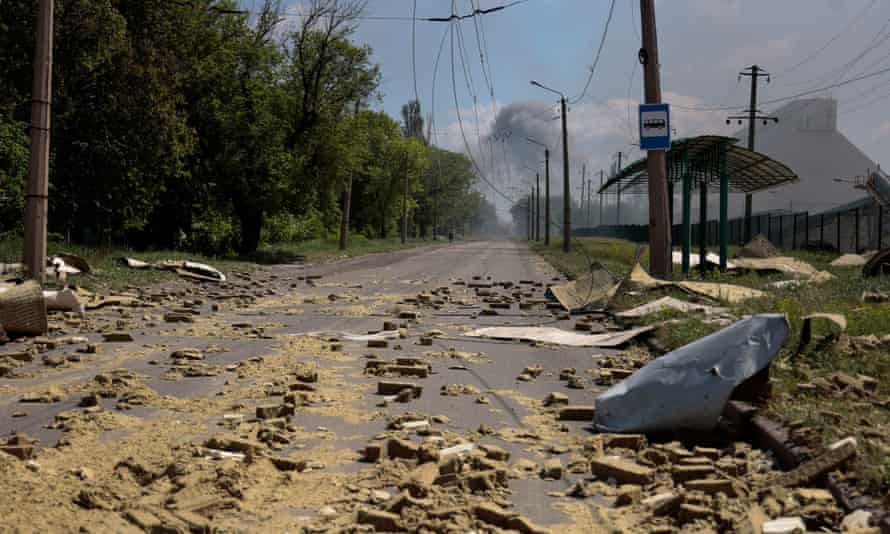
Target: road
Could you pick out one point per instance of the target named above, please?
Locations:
(253, 337)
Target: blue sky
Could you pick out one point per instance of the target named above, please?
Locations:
(703, 45)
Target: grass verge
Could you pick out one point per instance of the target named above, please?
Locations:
(110, 273)
(833, 412)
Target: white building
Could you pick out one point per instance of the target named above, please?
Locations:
(806, 139)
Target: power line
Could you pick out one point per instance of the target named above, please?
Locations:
(831, 41)
(408, 19)
(414, 51)
(599, 51)
(796, 95)
(461, 125)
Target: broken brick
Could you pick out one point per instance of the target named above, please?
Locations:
(623, 471)
(577, 413)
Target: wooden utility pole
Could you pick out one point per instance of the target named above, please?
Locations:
(659, 225)
(344, 218)
(38, 174)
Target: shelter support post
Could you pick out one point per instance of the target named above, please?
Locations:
(856, 233)
(724, 206)
(687, 215)
(838, 224)
(702, 224)
(880, 225)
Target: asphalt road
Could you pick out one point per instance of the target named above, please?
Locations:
(357, 296)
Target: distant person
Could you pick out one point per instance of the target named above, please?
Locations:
(450, 237)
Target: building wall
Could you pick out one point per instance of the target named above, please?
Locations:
(807, 140)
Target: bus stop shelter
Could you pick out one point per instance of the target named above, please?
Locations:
(714, 164)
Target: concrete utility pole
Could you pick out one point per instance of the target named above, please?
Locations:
(538, 208)
(344, 218)
(583, 180)
(546, 196)
(567, 200)
(405, 205)
(38, 174)
(601, 196)
(589, 186)
(754, 72)
(618, 187)
(566, 182)
(659, 226)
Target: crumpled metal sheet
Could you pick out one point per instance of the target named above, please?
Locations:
(598, 285)
(557, 336)
(668, 303)
(688, 388)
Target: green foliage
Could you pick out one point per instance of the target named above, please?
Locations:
(176, 125)
(13, 172)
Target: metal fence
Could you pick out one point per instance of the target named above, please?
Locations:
(850, 231)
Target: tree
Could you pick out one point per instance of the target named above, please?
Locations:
(412, 121)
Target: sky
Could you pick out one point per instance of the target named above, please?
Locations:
(703, 44)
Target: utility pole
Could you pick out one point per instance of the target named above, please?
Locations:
(344, 218)
(601, 196)
(538, 208)
(405, 205)
(659, 226)
(547, 196)
(38, 174)
(754, 72)
(583, 180)
(618, 185)
(589, 185)
(567, 200)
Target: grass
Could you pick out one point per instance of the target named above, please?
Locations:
(110, 273)
(830, 416)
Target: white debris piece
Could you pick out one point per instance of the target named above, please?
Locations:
(785, 525)
(461, 448)
(217, 454)
(667, 303)
(557, 336)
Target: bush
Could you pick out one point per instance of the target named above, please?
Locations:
(212, 233)
(284, 227)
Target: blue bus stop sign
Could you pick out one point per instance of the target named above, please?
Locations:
(655, 127)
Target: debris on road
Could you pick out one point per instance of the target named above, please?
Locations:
(23, 310)
(184, 268)
(793, 267)
(596, 286)
(640, 279)
(759, 247)
(669, 303)
(878, 264)
(806, 331)
(849, 260)
(695, 380)
(558, 336)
